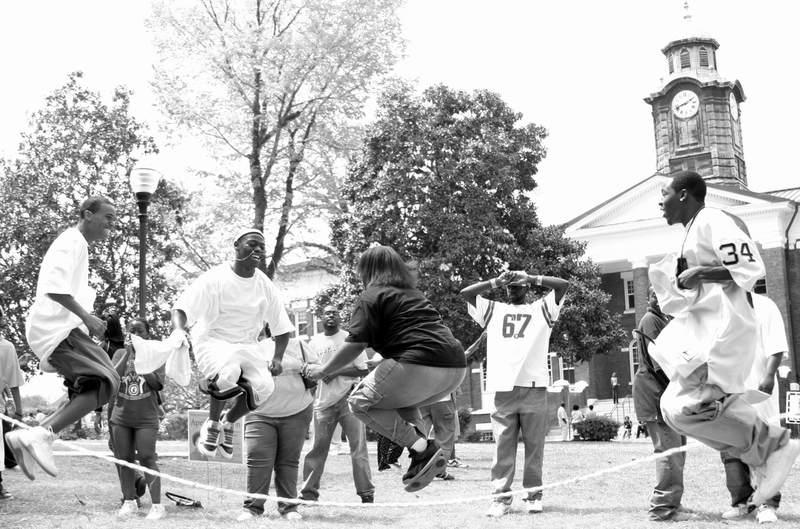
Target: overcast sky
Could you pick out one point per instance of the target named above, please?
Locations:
(579, 68)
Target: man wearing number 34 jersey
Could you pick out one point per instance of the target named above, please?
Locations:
(518, 334)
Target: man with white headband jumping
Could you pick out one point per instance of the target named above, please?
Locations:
(228, 306)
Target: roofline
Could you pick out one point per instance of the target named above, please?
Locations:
(687, 40)
(735, 85)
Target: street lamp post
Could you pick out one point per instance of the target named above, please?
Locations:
(144, 181)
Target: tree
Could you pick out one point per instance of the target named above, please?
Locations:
(80, 146)
(263, 80)
(442, 178)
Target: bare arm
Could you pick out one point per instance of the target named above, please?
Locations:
(281, 342)
(767, 383)
(471, 292)
(95, 325)
(347, 352)
(351, 371)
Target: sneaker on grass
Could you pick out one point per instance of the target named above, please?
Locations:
(498, 509)
(157, 512)
(246, 515)
(775, 471)
(766, 514)
(533, 506)
(39, 442)
(225, 448)
(5, 495)
(736, 512)
(424, 466)
(24, 458)
(292, 516)
(445, 475)
(209, 438)
(456, 463)
(128, 509)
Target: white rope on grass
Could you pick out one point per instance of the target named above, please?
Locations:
(504, 495)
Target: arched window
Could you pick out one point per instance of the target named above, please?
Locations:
(685, 61)
(703, 57)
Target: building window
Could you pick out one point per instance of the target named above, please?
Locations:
(568, 372)
(761, 286)
(686, 63)
(301, 324)
(633, 354)
(671, 63)
(628, 291)
(688, 132)
(703, 57)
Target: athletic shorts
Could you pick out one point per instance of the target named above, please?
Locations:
(85, 366)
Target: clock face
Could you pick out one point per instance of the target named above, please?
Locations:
(734, 107)
(685, 104)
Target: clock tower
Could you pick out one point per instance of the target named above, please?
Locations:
(696, 112)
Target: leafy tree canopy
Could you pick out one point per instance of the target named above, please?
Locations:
(80, 146)
(443, 178)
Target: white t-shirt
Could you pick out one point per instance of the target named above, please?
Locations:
(518, 341)
(64, 270)
(331, 393)
(228, 313)
(10, 374)
(771, 341)
(290, 396)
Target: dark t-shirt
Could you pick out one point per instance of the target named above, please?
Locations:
(136, 405)
(401, 324)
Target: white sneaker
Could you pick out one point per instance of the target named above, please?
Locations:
(157, 512)
(736, 512)
(498, 509)
(128, 509)
(209, 438)
(293, 516)
(775, 471)
(766, 514)
(225, 448)
(24, 458)
(533, 507)
(39, 442)
(246, 516)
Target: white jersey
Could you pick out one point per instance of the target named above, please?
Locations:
(229, 312)
(714, 323)
(771, 341)
(64, 270)
(517, 341)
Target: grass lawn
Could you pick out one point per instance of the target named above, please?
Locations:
(86, 494)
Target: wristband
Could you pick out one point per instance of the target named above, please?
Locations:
(493, 282)
(539, 280)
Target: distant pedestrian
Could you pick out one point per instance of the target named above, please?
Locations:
(576, 418)
(614, 388)
(627, 426)
(563, 421)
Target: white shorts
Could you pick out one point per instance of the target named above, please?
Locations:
(230, 362)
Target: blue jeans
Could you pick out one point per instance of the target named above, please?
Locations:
(388, 399)
(725, 422)
(441, 416)
(325, 422)
(274, 443)
(737, 479)
(521, 409)
(668, 492)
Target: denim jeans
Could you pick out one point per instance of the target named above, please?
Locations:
(737, 479)
(668, 492)
(274, 443)
(325, 422)
(725, 422)
(519, 410)
(441, 416)
(388, 399)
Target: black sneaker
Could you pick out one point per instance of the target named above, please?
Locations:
(367, 499)
(424, 466)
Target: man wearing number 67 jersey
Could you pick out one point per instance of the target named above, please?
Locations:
(517, 338)
(708, 349)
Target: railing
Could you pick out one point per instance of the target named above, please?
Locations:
(624, 407)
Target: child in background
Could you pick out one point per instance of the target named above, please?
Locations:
(628, 425)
